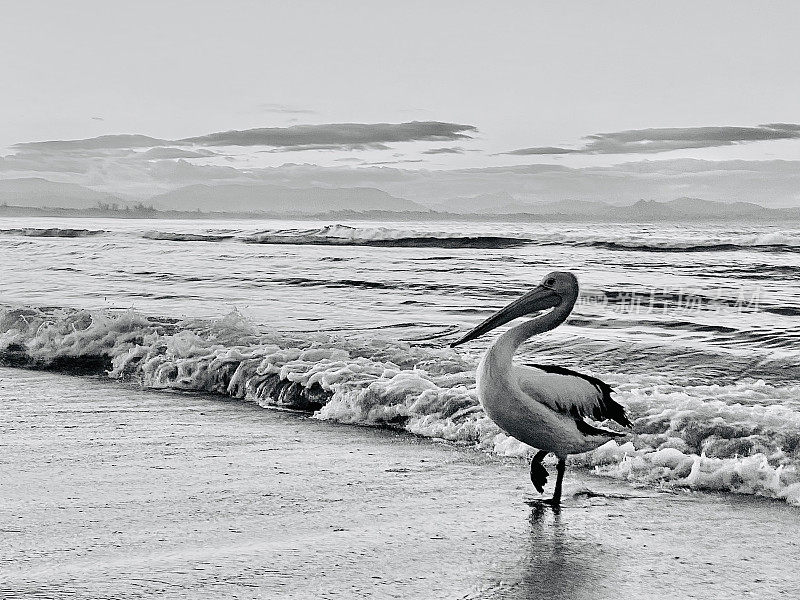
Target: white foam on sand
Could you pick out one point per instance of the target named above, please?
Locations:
(743, 437)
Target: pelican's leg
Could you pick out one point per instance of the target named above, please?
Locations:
(538, 472)
(556, 499)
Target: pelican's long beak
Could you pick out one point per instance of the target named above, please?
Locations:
(539, 298)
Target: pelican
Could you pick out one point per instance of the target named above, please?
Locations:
(542, 405)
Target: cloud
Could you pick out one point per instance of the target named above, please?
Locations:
(184, 172)
(140, 165)
(327, 147)
(654, 140)
(540, 150)
(103, 142)
(394, 162)
(332, 136)
(338, 135)
(32, 161)
(453, 150)
(160, 152)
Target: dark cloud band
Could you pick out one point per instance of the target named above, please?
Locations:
(541, 150)
(104, 142)
(337, 134)
(454, 150)
(654, 140)
(345, 136)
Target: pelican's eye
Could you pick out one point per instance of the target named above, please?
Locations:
(550, 281)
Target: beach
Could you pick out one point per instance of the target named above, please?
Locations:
(111, 491)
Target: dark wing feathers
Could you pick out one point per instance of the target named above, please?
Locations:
(589, 429)
(606, 407)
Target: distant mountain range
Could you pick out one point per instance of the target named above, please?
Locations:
(500, 202)
(694, 208)
(276, 199)
(504, 203)
(679, 209)
(261, 199)
(41, 193)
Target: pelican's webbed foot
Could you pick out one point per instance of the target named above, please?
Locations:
(538, 475)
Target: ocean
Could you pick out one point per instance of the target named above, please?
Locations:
(696, 326)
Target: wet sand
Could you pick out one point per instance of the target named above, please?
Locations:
(108, 491)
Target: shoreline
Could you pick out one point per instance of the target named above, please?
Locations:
(114, 491)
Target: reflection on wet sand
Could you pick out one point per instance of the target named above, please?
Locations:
(555, 561)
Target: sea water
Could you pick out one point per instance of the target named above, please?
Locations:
(697, 327)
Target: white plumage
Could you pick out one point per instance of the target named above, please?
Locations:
(543, 405)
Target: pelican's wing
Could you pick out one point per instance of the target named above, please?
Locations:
(571, 393)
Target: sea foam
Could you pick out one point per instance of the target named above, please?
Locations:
(743, 437)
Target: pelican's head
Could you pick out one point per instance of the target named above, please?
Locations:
(557, 289)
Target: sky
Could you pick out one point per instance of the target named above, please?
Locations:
(417, 86)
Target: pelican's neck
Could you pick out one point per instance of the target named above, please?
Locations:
(502, 351)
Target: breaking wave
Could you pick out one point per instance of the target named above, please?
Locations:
(741, 437)
(52, 232)
(344, 235)
(184, 237)
(685, 247)
(676, 242)
(457, 237)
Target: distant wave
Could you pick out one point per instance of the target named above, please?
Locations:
(688, 242)
(742, 437)
(52, 232)
(688, 247)
(691, 242)
(343, 235)
(476, 242)
(391, 237)
(184, 237)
